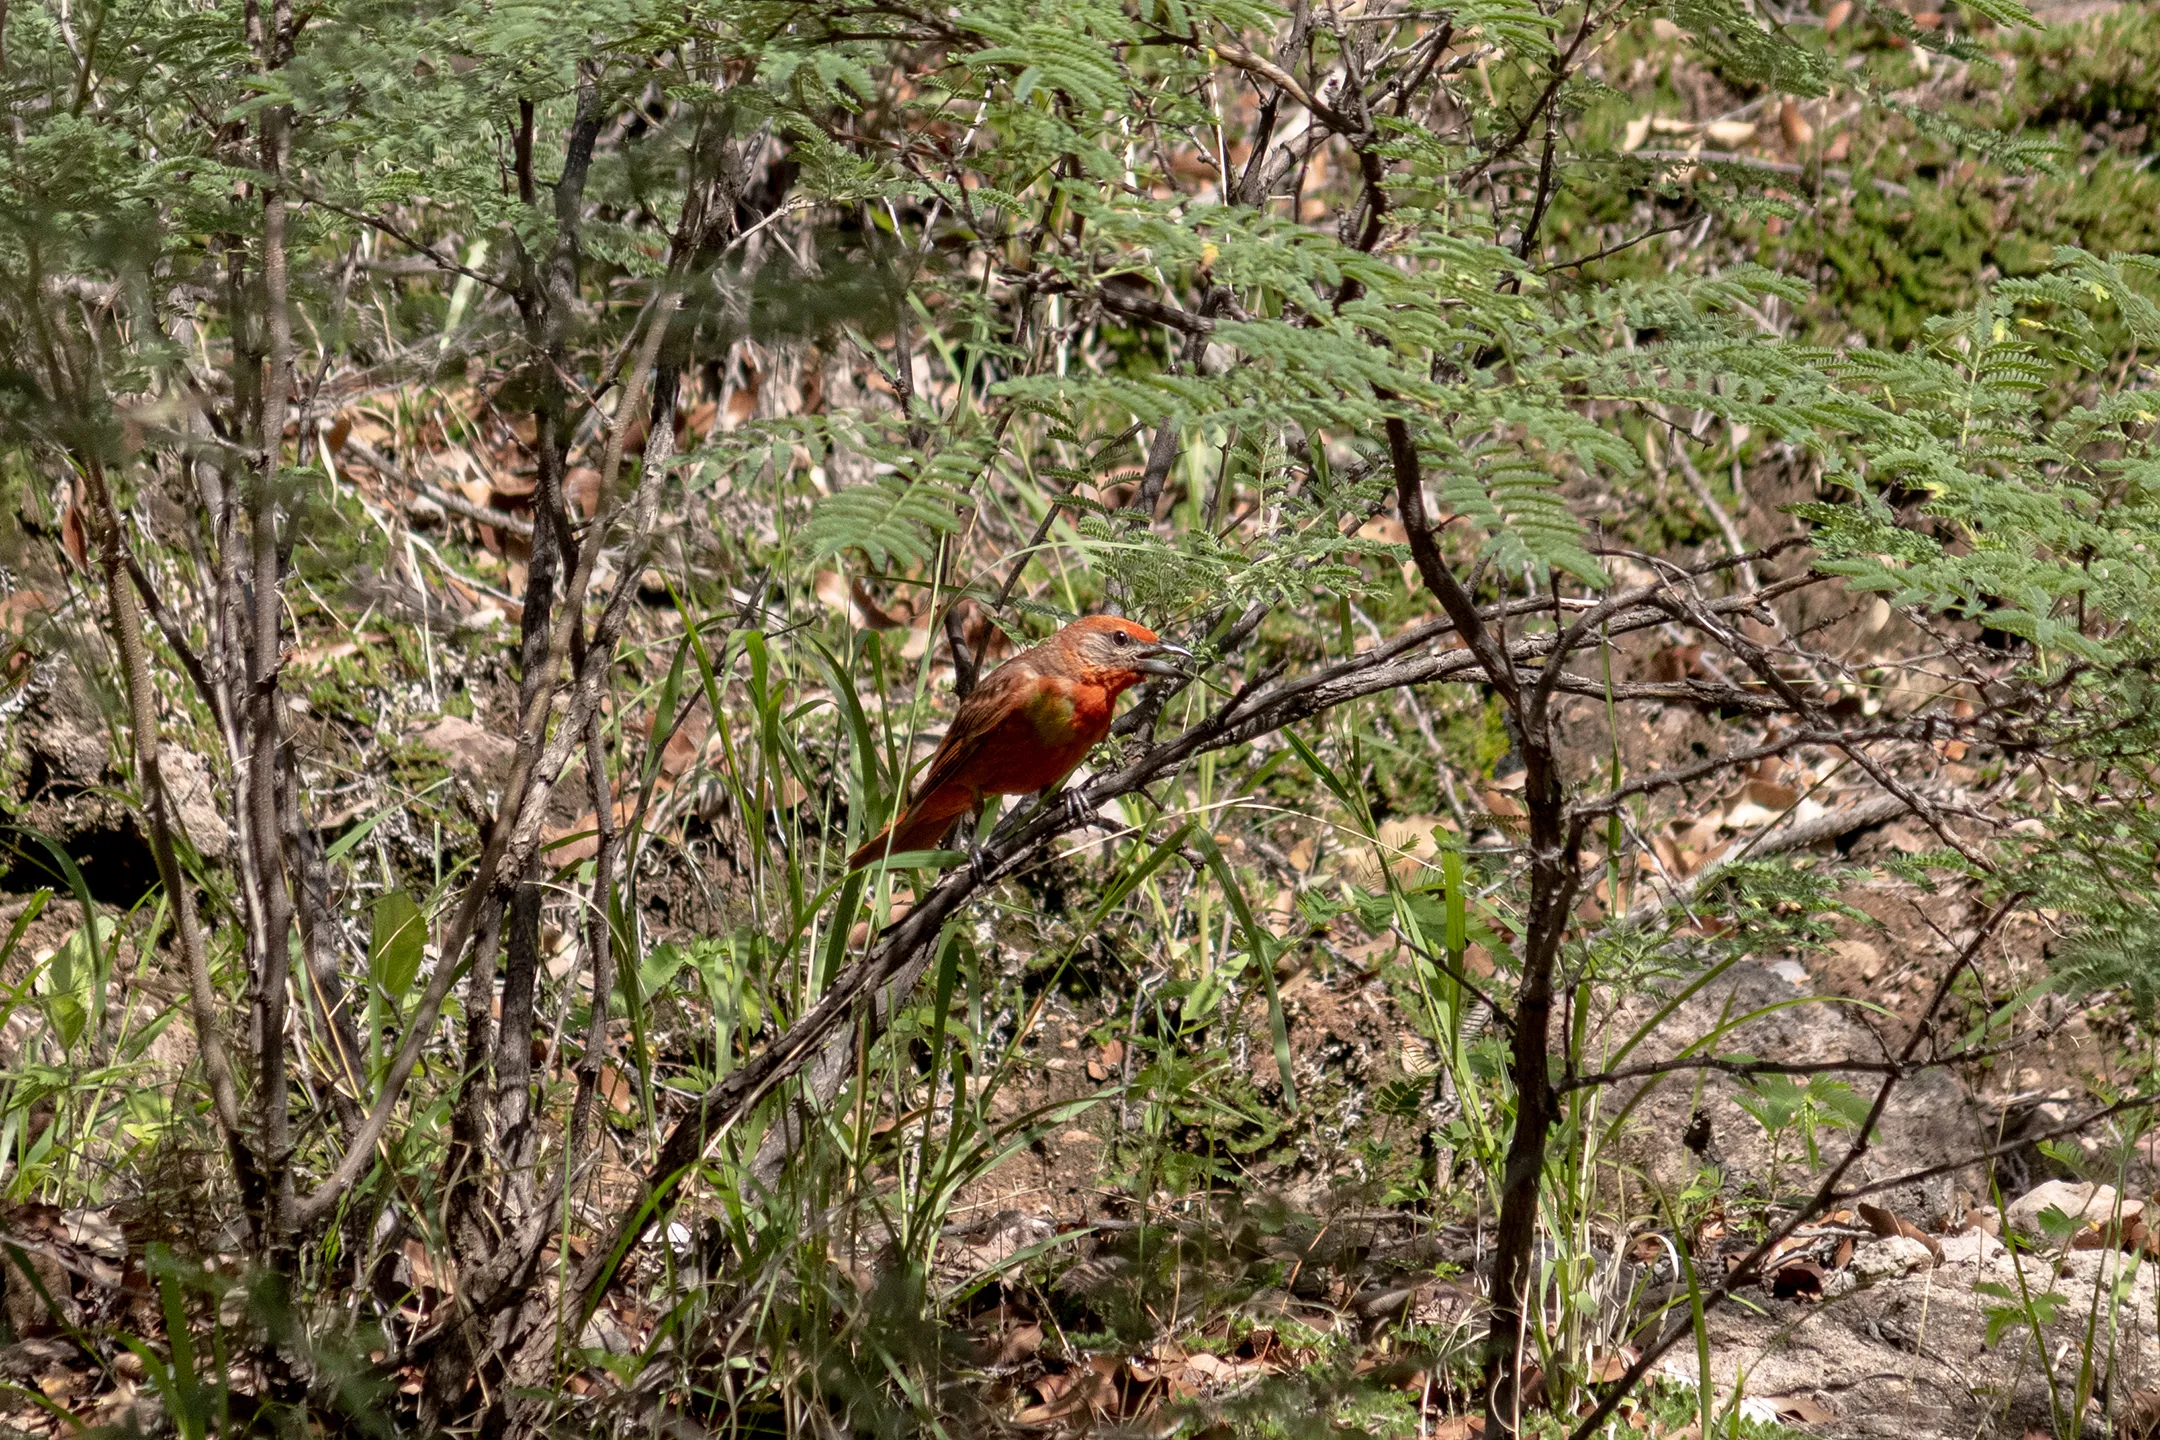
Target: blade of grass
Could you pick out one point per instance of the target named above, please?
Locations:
(1261, 944)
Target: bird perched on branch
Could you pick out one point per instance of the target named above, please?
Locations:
(1025, 726)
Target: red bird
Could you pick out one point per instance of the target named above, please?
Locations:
(1026, 726)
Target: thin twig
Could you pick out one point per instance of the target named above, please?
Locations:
(1627, 244)
(384, 466)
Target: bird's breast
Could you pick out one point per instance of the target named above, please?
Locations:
(1065, 714)
(1044, 737)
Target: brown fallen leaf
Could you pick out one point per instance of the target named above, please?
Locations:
(579, 840)
(75, 535)
(1786, 1249)
(837, 594)
(509, 486)
(1794, 126)
(1771, 795)
(581, 487)
(1709, 1229)
(312, 657)
(425, 1272)
(2140, 1420)
(1064, 1395)
(682, 748)
(478, 490)
(572, 844)
(22, 607)
(1505, 808)
(1799, 1280)
(616, 1089)
(1675, 663)
(1668, 853)
(2103, 1236)
(1885, 1224)
(1801, 1409)
(897, 616)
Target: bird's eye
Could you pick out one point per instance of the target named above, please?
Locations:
(1124, 637)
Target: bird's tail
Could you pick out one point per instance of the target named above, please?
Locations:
(914, 830)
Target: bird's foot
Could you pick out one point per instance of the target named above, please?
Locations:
(979, 863)
(1076, 808)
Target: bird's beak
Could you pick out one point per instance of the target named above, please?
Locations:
(1162, 658)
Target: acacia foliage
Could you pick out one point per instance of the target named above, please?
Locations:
(1152, 285)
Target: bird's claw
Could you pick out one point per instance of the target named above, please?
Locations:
(979, 863)
(1076, 809)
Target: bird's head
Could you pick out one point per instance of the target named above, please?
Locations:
(1114, 647)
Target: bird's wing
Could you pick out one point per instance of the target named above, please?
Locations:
(993, 701)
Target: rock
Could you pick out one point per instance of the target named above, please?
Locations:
(1895, 1255)
(64, 732)
(481, 756)
(1791, 971)
(1930, 1120)
(2088, 1203)
(1973, 1247)
(194, 802)
(1865, 960)
(170, 1050)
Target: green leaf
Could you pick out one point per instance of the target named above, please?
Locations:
(891, 521)
(396, 943)
(70, 979)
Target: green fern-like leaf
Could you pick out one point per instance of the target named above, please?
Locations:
(891, 521)
(1527, 523)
